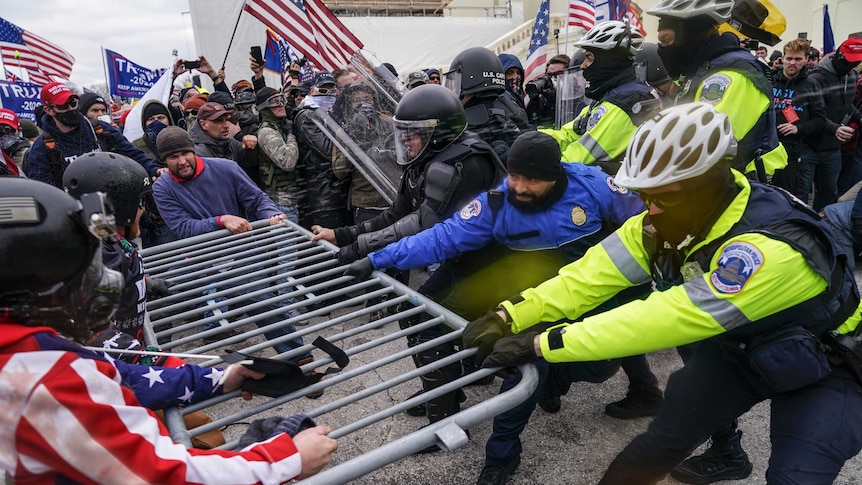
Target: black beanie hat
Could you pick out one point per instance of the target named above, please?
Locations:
(173, 139)
(89, 99)
(536, 155)
(154, 109)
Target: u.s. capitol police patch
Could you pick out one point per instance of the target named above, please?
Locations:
(738, 262)
(714, 87)
(595, 117)
(471, 210)
(616, 188)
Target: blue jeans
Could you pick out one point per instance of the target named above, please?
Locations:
(826, 166)
(505, 442)
(272, 334)
(813, 430)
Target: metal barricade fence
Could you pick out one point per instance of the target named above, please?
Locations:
(230, 290)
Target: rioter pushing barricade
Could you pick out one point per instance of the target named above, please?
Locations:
(746, 273)
(105, 404)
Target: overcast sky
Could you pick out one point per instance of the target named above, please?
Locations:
(144, 31)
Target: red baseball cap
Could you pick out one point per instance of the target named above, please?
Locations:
(9, 118)
(56, 94)
(852, 49)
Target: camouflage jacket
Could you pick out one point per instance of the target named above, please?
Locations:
(278, 154)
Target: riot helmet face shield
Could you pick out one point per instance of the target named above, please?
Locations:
(452, 81)
(412, 139)
(571, 95)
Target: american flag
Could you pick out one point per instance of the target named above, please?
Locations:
(538, 53)
(10, 76)
(635, 21)
(310, 28)
(582, 13)
(40, 58)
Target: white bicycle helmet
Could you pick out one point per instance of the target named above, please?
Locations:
(678, 144)
(717, 10)
(613, 34)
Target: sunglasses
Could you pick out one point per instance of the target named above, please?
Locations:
(72, 103)
(434, 78)
(192, 112)
(325, 91)
(664, 201)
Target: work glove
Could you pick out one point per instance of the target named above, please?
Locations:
(483, 333)
(360, 269)
(349, 253)
(287, 126)
(512, 351)
(158, 288)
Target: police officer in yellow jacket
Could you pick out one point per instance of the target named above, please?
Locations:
(603, 129)
(714, 69)
(740, 267)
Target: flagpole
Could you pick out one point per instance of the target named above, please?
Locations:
(232, 35)
(105, 69)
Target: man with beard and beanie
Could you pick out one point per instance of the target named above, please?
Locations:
(743, 270)
(326, 205)
(601, 131)
(106, 405)
(547, 214)
(211, 134)
(201, 195)
(714, 69)
(514, 72)
(68, 134)
(445, 168)
(799, 113)
(836, 78)
(278, 154)
(476, 76)
(13, 146)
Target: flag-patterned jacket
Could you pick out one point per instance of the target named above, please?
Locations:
(71, 415)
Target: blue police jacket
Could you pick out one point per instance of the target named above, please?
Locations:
(590, 204)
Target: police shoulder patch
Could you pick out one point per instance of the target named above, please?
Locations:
(737, 263)
(616, 188)
(713, 88)
(471, 210)
(595, 116)
(579, 216)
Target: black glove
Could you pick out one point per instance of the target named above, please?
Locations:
(287, 126)
(158, 288)
(513, 351)
(483, 333)
(360, 269)
(349, 253)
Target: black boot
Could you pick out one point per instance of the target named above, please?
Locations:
(640, 401)
(723, 460)
(548, 401)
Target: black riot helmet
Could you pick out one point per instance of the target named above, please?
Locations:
(124, 180)
(578, 58)
(51, 269)
(427, 120)
(476, 70)
(649, 66)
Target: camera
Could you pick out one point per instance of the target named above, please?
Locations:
(192, 64)
(751, 44)
(541, 85)
(301, 61)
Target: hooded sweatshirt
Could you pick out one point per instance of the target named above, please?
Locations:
(146, 143)
(838, 90)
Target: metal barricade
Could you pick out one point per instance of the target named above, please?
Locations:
(229, 290)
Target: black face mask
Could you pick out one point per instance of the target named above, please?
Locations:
(842, 65)
(6, 141)
(601, 71)
(70, 118)
(676, 58)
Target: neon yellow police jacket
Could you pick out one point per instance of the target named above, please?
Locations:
(777, 278)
